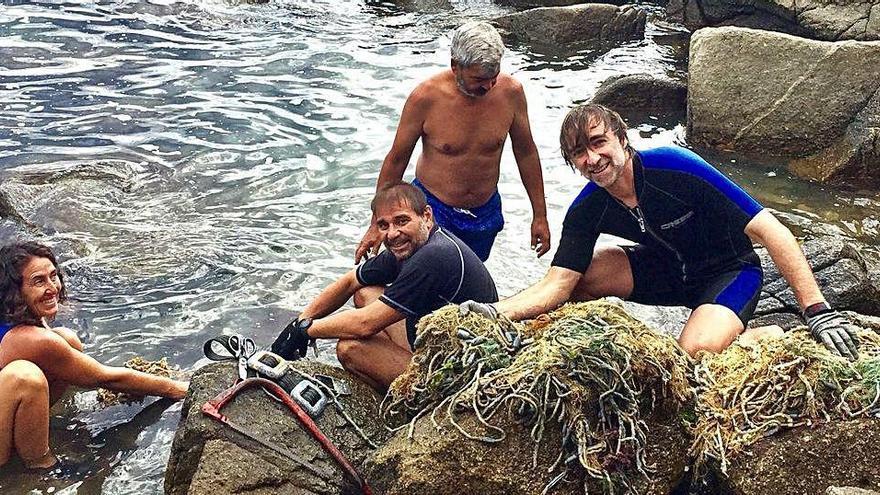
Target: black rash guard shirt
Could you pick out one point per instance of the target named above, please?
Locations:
(441, 272)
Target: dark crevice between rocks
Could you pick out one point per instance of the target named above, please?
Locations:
(839, 36)
(708, 483)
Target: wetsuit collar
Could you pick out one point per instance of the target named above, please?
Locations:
(638, 175)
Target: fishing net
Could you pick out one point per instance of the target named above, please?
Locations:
(589, 368)
(158, 368)
(749, 392)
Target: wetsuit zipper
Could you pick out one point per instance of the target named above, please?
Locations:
(636, 213)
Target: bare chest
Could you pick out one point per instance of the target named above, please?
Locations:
(474, 130)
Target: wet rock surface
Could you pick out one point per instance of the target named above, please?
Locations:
(530, 4)
(210, 458)
(643, 93)
(849, 490)
(828, 20)
(848, 273)
(767, 95)
(810, 460)
(444, 462)
(587, 22)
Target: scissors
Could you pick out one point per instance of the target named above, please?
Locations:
(231, 347)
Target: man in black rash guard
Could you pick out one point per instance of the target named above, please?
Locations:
(693, 230)
(422, 269)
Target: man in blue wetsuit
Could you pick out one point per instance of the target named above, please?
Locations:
(422, 269)
(463, 116)
(693, 230)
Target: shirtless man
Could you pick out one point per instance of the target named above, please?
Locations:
(463, 116)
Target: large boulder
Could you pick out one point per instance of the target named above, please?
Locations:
(587, 22)
(209, 458)
(809, 460)
(814, 105)
(643, 93)
(445, 462)
(829, 20)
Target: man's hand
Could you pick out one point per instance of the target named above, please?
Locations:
(540, 236)
(369, 245)
(484, 309)
(832, 329)
(293, 342)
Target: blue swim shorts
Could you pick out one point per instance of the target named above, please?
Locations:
(476, 227)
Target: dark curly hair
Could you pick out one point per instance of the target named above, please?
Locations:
(13, 257)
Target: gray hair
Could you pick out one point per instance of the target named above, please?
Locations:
(477, 43)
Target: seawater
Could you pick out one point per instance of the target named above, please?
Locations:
(206, 167)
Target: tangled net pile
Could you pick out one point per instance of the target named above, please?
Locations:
(589, 368)
(159, 368)
(749, 392)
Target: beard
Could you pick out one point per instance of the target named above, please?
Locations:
(414, 243)
(477, 93)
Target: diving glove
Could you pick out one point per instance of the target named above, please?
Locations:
(487, 310)
(833, 330)
(293, 342)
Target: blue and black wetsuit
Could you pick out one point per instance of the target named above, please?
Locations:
(690, 228)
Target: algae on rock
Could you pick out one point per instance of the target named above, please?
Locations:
(750, 392)
(589, 371)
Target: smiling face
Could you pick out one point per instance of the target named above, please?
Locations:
(404, 229)
(603, 157)
(41, 287)
(474, 80)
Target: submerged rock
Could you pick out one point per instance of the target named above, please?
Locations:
(812, 104)
(423, 6)
(588, 22)
(210, 458)
(829, 20)
(530, 4)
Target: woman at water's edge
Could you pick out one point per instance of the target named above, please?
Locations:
(38, 363)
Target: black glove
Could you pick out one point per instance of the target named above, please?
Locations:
(293, 342)
(832, 329)
(484, 309)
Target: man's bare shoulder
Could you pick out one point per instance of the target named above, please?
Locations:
(509, 85)
(436, 86)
